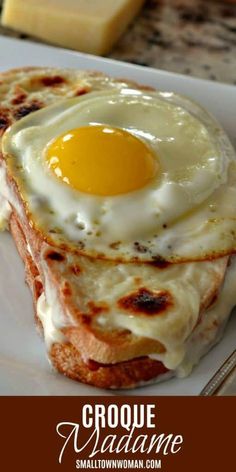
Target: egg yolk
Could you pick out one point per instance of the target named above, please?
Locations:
(101, 160)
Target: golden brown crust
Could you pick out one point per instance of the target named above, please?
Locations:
(129, 374)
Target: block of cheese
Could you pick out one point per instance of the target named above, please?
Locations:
(91, 26)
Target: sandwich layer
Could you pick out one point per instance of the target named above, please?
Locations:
(67, 358)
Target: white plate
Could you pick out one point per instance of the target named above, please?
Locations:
(24, 369)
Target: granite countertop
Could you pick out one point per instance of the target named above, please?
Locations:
(193, 37)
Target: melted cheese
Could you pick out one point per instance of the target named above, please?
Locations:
(179, 357)
(209, 331)
(51, 314)
(45, 313)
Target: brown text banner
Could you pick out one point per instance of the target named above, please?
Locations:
(170, 434)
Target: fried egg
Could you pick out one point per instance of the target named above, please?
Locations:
(127, 174)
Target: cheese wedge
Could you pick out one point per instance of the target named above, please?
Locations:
(85, 25)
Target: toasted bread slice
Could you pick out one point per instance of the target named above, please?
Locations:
(98, 336)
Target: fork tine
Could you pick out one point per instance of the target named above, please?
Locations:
(220, 377)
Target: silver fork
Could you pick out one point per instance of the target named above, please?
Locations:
(224, 380)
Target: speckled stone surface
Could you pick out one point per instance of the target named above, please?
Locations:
(193, 37)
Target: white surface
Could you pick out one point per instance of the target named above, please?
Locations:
(24, 369)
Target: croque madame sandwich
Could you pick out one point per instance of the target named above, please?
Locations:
(121, 201)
